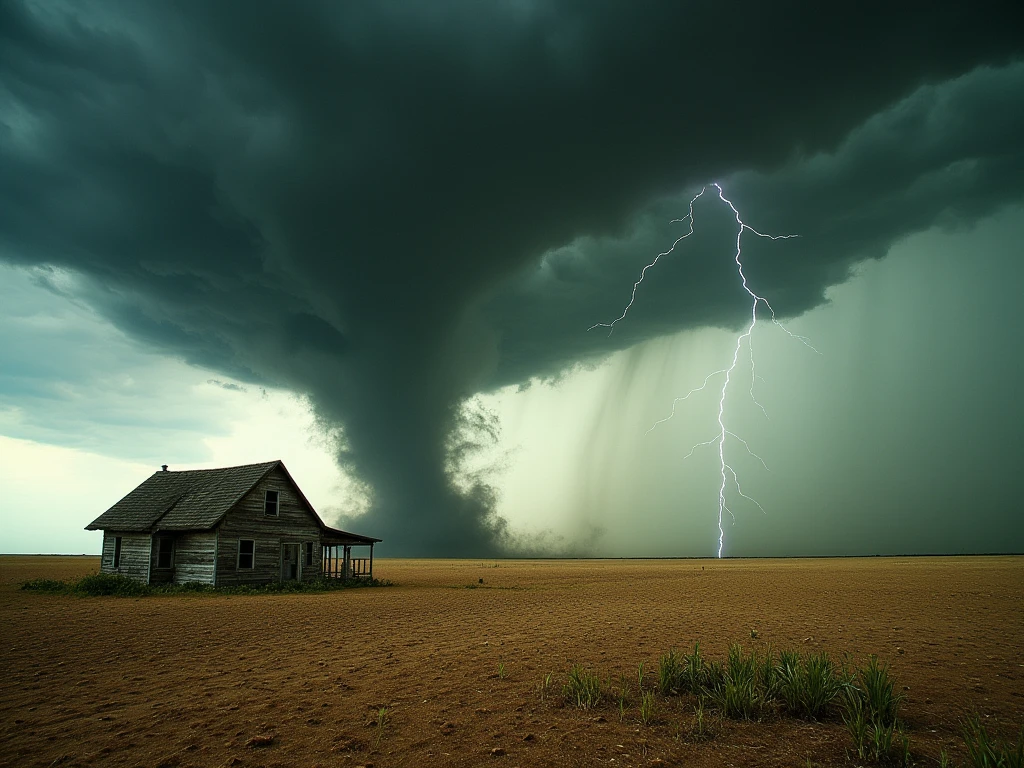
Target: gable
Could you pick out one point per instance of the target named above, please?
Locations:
(294, 509)
(209, 499)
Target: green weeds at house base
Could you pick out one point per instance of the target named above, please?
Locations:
(116, 585)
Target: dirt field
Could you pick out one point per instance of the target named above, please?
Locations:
(182, 681)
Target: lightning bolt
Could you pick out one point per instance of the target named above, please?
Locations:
(726, 471)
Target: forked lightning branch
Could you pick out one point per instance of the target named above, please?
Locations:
(728, 476)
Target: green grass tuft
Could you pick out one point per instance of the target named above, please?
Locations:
(670, 673)
(737, 692)
(807, 686)
(647, 707)
(583, 688)
(870, 713)
(694, 675)
(51, 586)
(986, 752)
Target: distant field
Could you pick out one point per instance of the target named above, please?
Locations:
(189, 680)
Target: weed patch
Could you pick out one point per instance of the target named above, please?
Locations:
(807, 686)
(583, 688)
(986, 752)
(116, 585)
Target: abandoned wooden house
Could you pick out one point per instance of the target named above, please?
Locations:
(235, 525)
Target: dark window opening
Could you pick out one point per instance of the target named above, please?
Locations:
(309, 553)
(117, 551)
(271, 502)
(164, 552)
(246, 553)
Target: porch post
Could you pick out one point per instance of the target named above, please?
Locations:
(371, 561)
(345, 564)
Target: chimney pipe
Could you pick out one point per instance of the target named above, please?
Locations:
(163, 467)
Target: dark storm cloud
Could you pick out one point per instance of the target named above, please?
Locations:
(352, 200)
(946, 155)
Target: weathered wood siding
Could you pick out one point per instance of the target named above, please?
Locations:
(294, 524)
(195, 557)
(134, 555)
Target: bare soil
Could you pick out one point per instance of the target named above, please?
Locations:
(299, 680)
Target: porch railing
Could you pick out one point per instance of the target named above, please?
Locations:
(358, 567)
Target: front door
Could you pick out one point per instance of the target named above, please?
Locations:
(289, 562)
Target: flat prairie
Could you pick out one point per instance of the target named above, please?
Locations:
(457, 651)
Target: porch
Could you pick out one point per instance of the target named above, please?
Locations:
(338, 562)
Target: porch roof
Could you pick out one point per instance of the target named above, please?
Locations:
(335, 537)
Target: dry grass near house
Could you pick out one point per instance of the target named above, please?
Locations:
(458, 667)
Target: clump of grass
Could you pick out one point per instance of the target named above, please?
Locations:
(670, 673)
(694, 674)
(640, 675)
(737, 692)
(870, 713)
(714, 677)
(647, 707)
(878, 690)
(808, 685)
(986, 752)
(51, 586)
(101, 584)
(583, 688)
(738, 700)
(768, 675)
(502, 671)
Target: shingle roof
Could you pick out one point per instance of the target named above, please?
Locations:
(194, 499)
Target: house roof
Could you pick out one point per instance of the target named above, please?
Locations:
(197, 499)
(194, 499)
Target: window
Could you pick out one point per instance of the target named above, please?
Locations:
(117, 551)
(271, 502)
(246, 554)
(309, 553)
(164, 552)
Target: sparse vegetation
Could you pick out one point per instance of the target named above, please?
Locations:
(383, 718)
(811, 686)
(670, 673)
(684, 719)
(808, 685)
(116, 585)
(734, 689)
(622, 696)
(545, 686)
(647, 707)
(702, 729)
(583, 688)
(694, 674)
(871, 715)
(986, 752)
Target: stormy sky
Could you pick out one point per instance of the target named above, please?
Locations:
(369, 239)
